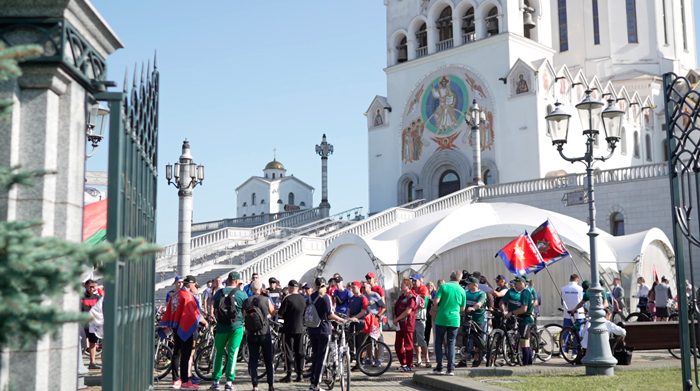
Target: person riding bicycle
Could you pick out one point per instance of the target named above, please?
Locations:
(476, 302)
(526, 320)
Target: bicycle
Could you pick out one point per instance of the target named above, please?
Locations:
(643, 315)
(495, 341)
(472, 341)
(338, 358)
(511, 342)
(370, 353)
(163, 357)
(570, 341)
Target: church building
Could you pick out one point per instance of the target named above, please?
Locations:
(274, 192)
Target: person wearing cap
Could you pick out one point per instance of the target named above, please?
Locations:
(476, 309)
(306, 290)
(274, 292)
(177, 285)
(498, 293)
(587, 296)
(377, 307)
(87, 302)
(320, 337)
(332, 285)
(526, 320)
(292, 312)
(183, 316)
(372, 280)
(484, 284)
(450, 300)
(357, 309)
(405, 323)
(422, 299)
(341, 296)
(537, 298)
(228, 335)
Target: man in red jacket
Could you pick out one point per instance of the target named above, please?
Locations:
(88, 301)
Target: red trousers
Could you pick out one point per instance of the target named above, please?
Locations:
(404, 347)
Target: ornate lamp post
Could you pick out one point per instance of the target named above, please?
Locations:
(187, 176)
(324, 150)
(598, 359)
(475, 117)
(97, 119)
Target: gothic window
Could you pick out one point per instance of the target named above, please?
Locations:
(290, 199)
(563, 32)
(685, 37)
(617, 224)
(648, 147)
(487, 177)
(262, 202)
(444, 24)
(449, 183)
(403, 50)
(596, 24)
(409, 192)
(253, 199)
(280, 202)
(631, 8)
(664, 147)
(636, 144)
(302, 203)
(623, 142)
(492, 22)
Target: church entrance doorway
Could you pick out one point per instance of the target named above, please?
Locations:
(449, 183)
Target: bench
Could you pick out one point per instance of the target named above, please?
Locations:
(653, 335)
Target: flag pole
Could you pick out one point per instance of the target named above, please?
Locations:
(556, 287)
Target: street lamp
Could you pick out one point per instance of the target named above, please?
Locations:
(598, 359)
(95, 132)
(475, 116)
(187, 176)
(324, 150)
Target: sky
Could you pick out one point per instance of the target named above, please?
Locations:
(241, 78)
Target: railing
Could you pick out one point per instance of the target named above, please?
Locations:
(444, 45)
(272, 260)
(468, 37)
(457, 198)
(348, 215)
(576, 180)
(421, 52)
(245, 221)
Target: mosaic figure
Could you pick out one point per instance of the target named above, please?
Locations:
(521, 87)
(378, 120)
(445, 114)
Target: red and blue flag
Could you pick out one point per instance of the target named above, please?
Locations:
(521, 256)
(549, 245)
(182, 314)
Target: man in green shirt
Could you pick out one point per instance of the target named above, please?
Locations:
(587, 296)
(229, 330)
(525, 319)
(451, 300)
(476, 300)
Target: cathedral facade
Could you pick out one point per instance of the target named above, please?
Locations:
(516, 59)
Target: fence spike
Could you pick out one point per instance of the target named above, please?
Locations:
(148, 68)
(155, 54)
(136, 66)
(143, 75)
(126, 77)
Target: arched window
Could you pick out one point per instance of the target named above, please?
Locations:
(273, 175)
(302, 203)
(617, 224)
(409, 192)
(290, 199)
(253, 199)
(252, 215)
(403, 50)
(631, 8)
(596, 23)
(664, 147)
(492, 22)
(262, 202)
(563, 27)
(245, 204)
(449, 183)
(265, 175)
(647, 140)
(422, 38)
(528, 20)
(636, 144)
(623, 142)
(487, 177)
(468, 26)
(444, 25)
(280, 201)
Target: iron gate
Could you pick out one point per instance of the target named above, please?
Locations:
(129, 305)
(681, 104)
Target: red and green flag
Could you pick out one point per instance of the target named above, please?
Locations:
(95, 222)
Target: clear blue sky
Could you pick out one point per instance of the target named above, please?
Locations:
(239, 78)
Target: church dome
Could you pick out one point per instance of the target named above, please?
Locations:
(274, 165)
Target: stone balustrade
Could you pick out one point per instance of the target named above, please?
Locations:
(444, 45)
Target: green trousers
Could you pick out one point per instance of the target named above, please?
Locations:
(229, 343)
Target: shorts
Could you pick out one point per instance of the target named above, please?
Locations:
(91, 336)
(524, 330)
(419, 334)
(662, 312)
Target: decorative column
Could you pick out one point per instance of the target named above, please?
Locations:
(187, 176)
(324, 150)
(457, 32)
(475, 117)
(433, 37)
(411, 46)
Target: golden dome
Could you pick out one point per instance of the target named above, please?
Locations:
(274, 165)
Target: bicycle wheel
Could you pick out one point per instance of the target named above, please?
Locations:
(534, 343)
(511, 352)
(163, 362)
(243, 353)
(328, 375)
(569, 344)
(344, 371)
(204, 363)
(554, 330)
(374, 358)
(546, 344)
(495, 348)
(637, 317)
(474, 348)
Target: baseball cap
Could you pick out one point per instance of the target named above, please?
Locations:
(500, 277)
(338, 279)
(293, 283)
(472, 280)
(320, 282)
(190, 279)
(416, 277)
(586, 284)
(357, 284)
(370, 274)
(305, 285)
(233, 276)
(177, 278)
(518, 279)
(273, 279)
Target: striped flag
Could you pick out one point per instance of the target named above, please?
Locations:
(95, 222)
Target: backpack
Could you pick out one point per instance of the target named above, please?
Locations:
(254, 319)
(227, 313)
(311, 317)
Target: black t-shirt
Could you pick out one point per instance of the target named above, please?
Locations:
(263, 303)
(324, 308)
(88, 301)
(292, 311)
(497, 300)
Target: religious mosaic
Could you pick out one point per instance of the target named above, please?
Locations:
(521, 79)
(434, 115)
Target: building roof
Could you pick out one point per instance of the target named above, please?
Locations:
(274, 165)
(268, 181)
